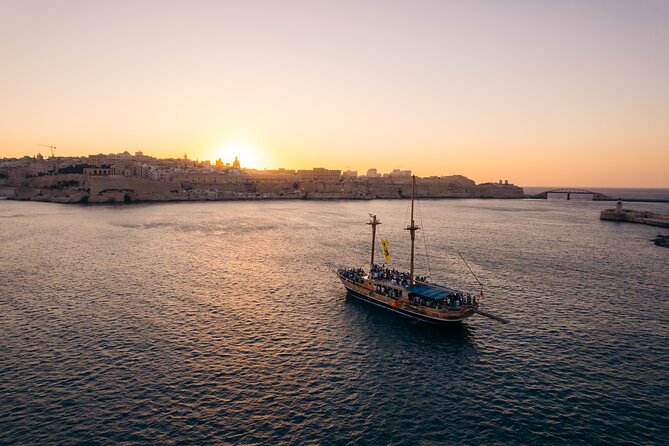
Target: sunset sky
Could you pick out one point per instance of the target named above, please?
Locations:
(563, 93)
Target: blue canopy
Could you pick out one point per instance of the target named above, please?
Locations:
(431, 291)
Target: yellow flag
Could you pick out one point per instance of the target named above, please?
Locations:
(386, 253)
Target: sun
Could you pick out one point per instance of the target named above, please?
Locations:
(247, 153)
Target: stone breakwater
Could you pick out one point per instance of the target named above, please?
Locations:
(635, 216)
(79, 188)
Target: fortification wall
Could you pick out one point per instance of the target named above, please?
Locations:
(73, 188)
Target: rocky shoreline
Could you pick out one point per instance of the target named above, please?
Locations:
(661, 240)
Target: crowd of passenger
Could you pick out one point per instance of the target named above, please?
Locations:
(393, 276)
(387, 291)
(357, 274)
(455, 300)
(352, 274)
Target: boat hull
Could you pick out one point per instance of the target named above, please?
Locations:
(358, 292)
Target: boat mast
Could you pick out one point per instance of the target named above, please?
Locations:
(374, 222)
(413, 228)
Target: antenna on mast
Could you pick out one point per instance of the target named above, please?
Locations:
(413, 228)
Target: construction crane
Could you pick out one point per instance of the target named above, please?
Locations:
(55, 168)
(51, 147)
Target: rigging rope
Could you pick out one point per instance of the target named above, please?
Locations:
(427, 255)
(470, 270)
(407, 214)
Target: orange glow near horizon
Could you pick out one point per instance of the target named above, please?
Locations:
(553, 166)
(538, 93)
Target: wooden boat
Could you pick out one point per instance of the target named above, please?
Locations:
(403, 292)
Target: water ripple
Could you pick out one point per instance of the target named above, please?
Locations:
(215, 323)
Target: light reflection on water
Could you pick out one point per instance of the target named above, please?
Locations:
(219, 322)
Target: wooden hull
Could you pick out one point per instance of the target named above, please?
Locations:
(403, 307)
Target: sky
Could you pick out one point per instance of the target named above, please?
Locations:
(560, 93)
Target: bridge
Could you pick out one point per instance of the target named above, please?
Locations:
(596, 196)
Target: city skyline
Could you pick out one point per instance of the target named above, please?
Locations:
(569, 94)
(52, 162)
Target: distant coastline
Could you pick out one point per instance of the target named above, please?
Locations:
(126, 178)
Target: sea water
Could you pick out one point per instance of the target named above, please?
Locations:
(218, 323)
